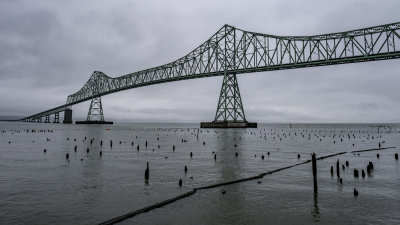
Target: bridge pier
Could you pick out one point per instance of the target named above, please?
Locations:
(47, 120)
(68, 116)
(56, 117)
(230, 111)
(39, 120)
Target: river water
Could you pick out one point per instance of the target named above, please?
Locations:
(38, 187)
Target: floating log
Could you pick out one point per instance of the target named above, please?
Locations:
(373, 149)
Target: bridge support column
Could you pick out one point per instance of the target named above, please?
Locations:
(68, 116)
(39, 120)
(56, 117)
(47, 120)
(95, 114)
(230, 111)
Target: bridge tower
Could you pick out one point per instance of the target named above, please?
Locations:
(95, 111)
(230, 107)
(95, 114)
(230, 111)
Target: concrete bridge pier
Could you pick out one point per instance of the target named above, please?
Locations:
(47, 120)
(68, 116)
(56, 117)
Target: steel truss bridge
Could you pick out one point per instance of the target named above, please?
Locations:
(232, 51)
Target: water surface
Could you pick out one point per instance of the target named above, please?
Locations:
(46, 188)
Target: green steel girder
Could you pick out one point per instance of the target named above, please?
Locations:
(95, 111)
(230, 107)
(238, 51)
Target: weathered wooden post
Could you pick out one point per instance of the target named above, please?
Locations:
(314, 169)
(337, 169)
(356, 173)
(147, 172)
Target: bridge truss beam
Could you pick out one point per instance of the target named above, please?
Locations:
(238, 51)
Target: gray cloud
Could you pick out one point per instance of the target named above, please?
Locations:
(48, 50)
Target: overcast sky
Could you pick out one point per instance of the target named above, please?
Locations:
(49, 49)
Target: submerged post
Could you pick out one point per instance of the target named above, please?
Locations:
(314, 170)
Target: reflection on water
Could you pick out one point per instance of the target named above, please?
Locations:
(229, 168)
(315, 212)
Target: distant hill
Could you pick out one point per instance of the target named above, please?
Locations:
(10, 117)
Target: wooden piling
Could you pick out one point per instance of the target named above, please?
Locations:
(355, 192)
(337, 169)
(147, 172)
(355, 173)
(314, 170)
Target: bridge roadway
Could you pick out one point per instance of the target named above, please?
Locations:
(235, 51)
